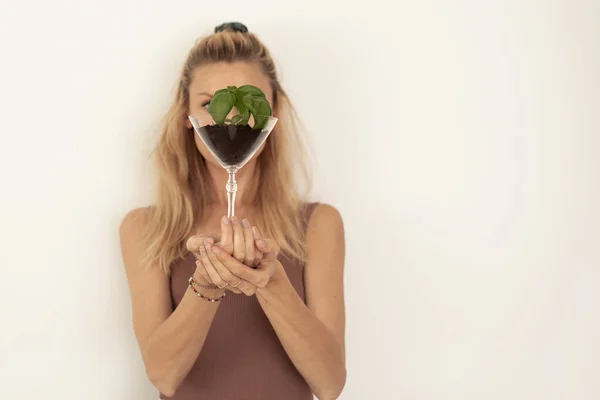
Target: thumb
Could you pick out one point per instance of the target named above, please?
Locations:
(267, 246)
(194, 242)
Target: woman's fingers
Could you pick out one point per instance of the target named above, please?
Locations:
(256, 233)
(194, 243)
(239, 243)
(200, 264)
(249, 243)
(266, 246)
(242, 286)
(202, 271)
(258, 254)
(253, 277)
(247, 288)
(226, 235)
(204, 274)
(235, 290)
(226, 275)
(214, 276)
(239, 249)
(268, 249)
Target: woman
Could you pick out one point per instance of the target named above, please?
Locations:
(263, 315)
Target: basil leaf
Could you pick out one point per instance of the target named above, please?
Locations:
(260, 109)
(220, 106)
(249, 89)
(243, 111)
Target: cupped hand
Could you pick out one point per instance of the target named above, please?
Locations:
(225, 270)
(237, 239)
(195, 245)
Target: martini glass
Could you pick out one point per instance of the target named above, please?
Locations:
(232, 146)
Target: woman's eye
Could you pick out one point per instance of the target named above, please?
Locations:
(205, 104)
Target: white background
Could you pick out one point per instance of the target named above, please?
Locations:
(459, 140)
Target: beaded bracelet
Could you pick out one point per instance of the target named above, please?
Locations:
(197, 293)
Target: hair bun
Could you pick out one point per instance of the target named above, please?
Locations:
(234, 26)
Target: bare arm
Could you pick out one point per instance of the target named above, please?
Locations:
(313, 334)
(170, 341)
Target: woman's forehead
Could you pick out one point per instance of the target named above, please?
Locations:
(212, 77)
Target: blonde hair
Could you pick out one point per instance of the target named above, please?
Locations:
(183, 190)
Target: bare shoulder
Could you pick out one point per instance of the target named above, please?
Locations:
(325, 220)
(134, 222)
(131, 230)
(325, 239)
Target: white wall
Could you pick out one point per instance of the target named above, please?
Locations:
(469, 185)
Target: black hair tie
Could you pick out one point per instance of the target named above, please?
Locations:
(234, 26)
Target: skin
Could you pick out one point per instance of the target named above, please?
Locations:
(312, 334)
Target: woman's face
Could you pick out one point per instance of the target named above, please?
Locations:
(209, 78)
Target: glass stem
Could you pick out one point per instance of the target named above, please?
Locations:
(231, 191)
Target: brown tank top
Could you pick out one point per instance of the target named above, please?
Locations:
(242, 357)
